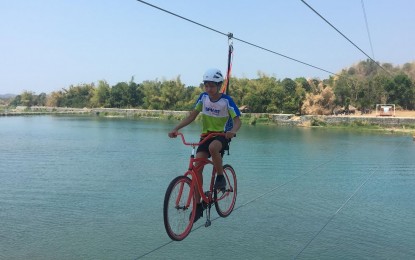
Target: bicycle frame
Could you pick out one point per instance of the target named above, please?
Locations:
(195, 165)
(181, 194)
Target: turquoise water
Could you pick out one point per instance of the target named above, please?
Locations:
(93, 188)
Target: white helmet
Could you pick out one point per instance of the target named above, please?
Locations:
(214, 75)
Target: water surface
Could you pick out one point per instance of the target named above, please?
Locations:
(93, 188)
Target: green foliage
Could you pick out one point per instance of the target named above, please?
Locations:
(317, 122)
(77, 96)
(404, 91)
(28, 99)
(366, 84)
(101, 94)
(252, 120)
(17, 101)
(303, 83)
(362, 85)
(119, 96)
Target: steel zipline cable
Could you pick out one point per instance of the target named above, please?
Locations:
(367, 29)
(293, 179)
(344, 35)
(240, 40)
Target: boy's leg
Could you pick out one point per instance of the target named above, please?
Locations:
(215, 149)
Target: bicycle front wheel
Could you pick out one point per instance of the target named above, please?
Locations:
(225, 199)
(178, 208)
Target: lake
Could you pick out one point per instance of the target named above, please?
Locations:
(92, 188)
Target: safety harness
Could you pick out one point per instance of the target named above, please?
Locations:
(225, 86)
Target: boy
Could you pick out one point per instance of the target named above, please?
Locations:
(219, 114)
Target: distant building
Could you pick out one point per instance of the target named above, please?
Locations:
(244, 109)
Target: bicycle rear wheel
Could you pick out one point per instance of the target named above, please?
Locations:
(225, 199)
(178, 216)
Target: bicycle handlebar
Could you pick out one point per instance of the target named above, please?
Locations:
(204, 139)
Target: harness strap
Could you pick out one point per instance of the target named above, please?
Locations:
(203, 135)
(225, 87)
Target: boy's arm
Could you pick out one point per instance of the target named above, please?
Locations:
(236, 125)
(190, 118)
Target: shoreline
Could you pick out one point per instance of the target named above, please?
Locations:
(367, 122)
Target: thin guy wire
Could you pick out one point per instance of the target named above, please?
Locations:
(344, 204)
(343, 35)
(248, 202)
(243, 41)
(154, 250)
(291, 180)
(367, 29)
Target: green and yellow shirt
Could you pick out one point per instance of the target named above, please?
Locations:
(217, 116)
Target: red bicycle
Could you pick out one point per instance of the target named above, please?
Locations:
(179, 201)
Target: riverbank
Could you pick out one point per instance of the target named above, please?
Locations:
(372, 123)
(404, 124)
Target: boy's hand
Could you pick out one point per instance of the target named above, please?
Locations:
(229, 135)
(173, 134)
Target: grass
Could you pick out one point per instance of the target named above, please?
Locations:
(265, 119)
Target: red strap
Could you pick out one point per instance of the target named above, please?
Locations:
(208, 133)
(225, 86)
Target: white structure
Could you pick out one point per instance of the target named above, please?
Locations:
(385, 110)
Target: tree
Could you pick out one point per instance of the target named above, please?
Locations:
(302, 82)
(342, 90)
(151, 93)
(189, 98)
(361, 85)
(409, 69)
(289, 86)
(171, 94)
(27, 98)
(78, 96)
(239, 88)
(253, 98)
(101, 95)
(119, 95)
(41, 99)
(402, 91)
(300, 94)
(253, 101)
(16, 101)
(319, 104)
(134, 94)
(379, 82)
(367, 68)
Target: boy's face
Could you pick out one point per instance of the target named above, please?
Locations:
(211, 88)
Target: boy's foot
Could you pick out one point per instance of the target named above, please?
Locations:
(220, 182)
(200, 207)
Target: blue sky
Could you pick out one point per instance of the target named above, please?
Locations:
(47, 45)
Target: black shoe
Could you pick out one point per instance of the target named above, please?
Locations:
(199, 211)
(220, 182)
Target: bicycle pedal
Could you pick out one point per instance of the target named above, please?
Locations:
(222, 190)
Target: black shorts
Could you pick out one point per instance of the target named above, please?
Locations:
(205, 146)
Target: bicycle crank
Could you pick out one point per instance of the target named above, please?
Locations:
(208, 222)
